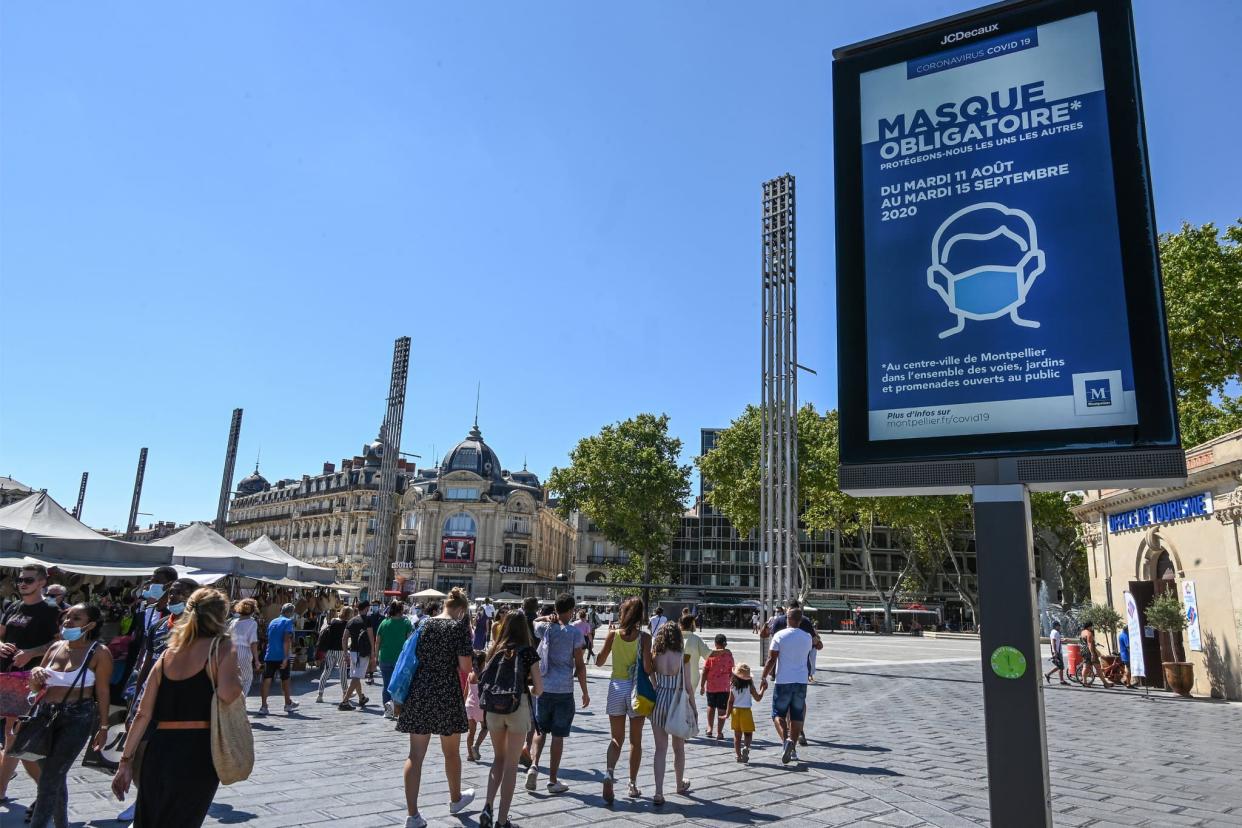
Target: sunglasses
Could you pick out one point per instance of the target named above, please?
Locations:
(27, 580)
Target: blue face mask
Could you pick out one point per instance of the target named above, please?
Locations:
(71, 633)
(177, 609)
(154, 592)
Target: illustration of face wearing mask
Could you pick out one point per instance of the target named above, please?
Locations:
(984, 259)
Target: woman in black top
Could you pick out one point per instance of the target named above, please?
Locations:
(178, 777)
(331, 642)
(437, 703)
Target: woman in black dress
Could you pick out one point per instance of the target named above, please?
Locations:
(178, 777)
(437, 703)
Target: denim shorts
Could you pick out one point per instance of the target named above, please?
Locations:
(789, 700)
(554, 713)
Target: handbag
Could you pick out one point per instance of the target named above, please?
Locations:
(406, 668)
(643, 696)
(683, 717)
(232, 742)
(33, 739)
(14, 692)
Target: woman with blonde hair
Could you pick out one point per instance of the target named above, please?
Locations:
(245, 634)
(436, 703)
(178, 780)
(629, 644)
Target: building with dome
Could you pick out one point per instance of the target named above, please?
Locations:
(467, 522)
(470, 522)
(328, 519)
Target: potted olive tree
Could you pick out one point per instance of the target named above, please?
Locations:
(1167, 614)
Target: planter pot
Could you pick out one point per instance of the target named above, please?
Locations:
(1179, 676)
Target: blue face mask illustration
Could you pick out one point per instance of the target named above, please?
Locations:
(992, 290)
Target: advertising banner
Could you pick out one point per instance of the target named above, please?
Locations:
(457, 550)
(1137, 666)
(1191, 602)
(992, 247)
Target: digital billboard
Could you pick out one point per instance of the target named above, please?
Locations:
(998, 287)
(457, 550)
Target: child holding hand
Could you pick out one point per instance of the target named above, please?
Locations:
(742, 695)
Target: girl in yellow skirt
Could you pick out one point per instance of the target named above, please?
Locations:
(741, 696)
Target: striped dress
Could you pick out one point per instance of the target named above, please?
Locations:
(667, 686)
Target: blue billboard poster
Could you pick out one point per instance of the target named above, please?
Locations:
(993, 263)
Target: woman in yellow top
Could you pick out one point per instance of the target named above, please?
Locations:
(625, 644)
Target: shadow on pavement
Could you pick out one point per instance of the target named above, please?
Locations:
(898, 676)
(839, 746)
(855, 769)
(227, 814)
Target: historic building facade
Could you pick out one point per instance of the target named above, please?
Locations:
(1184, 539)
(328, 519)
(471, 523)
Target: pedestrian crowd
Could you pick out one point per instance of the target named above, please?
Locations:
(512, 677)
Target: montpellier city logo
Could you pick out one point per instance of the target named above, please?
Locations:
(1099, 392)
(987, 256)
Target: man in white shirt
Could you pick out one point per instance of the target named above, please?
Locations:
(1058, 660)
(658, 620)
(787, 659)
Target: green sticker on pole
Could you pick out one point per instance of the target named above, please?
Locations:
(1008, 662)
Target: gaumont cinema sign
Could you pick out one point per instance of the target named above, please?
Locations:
(515, 570)
(1195, 505)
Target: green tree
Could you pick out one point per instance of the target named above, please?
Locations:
(1167, 614)
(627, 480)
(1202, 270)
(1055, 530)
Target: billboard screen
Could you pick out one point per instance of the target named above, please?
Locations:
(998, 290)
(457, 550)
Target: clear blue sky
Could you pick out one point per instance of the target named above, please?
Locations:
(243, 204)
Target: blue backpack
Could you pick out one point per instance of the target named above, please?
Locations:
(406, 667)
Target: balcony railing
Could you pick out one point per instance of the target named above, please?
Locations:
(317, 510)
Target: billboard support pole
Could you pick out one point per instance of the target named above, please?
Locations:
(1019, 793)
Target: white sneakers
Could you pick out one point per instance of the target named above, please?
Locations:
(389, 712)
(467, 796)
(291, 706)
(415, 821)
(532, 779)
(557, 787)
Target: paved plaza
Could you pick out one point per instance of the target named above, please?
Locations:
(896, 735)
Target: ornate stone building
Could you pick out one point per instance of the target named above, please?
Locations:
(471, 523)
(328, 519)
(467, 522)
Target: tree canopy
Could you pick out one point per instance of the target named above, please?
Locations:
(1202, 270)
(627, 480)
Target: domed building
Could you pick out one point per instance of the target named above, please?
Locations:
(328, 519)
(470, 522)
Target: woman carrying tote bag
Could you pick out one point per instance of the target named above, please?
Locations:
(179, 777)
(673, 688)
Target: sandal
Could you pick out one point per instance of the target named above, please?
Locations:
(683, 787)
(609, 781)
(634, 792)
(657, 800)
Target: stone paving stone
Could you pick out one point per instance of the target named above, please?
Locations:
(892, 744)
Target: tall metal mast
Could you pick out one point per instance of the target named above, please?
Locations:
(77, 510)
(230, 462)
(390, 436)
(132, 526)
(780, 574)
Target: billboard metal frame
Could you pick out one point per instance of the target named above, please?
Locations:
(1148, 453)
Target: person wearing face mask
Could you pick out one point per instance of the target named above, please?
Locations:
(436, 703)
(56, 597)
(73, 680)
(27, 628)
(171, 603)
(178, 776)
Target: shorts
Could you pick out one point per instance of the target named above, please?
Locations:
(1058, 661)
(789, 700)
(517, 722)
(619, 691)
(358, 665)
(271, 668)
(720, 701)
(554, 714)
(742, 720)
